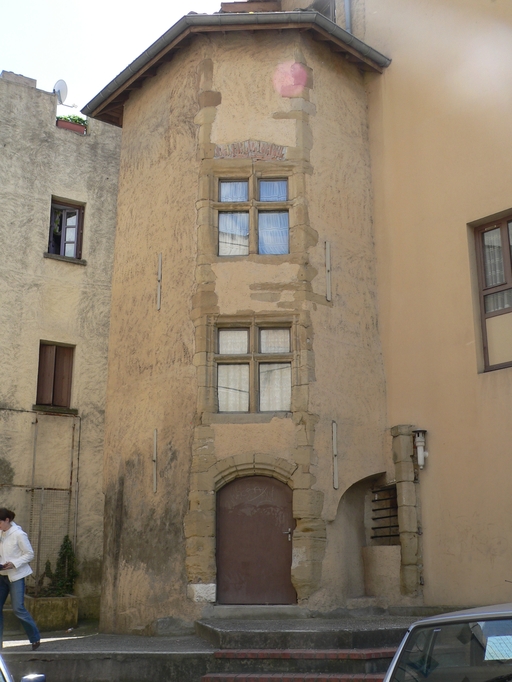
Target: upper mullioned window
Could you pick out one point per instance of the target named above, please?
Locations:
(253, 217)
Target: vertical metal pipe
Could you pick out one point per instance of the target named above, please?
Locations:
(155, 444)
(34, 450)
(335, 477)
(71, 462)
(77, 484)
(328, 281)
(348, 17)
(159, 285)
(39, 534)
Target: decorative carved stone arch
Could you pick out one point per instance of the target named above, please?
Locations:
(226, 470)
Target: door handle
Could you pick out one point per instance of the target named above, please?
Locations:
(288, 533)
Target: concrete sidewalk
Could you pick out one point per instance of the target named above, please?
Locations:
(86, 639)
(84, 654)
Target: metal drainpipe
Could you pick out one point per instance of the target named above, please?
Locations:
(348, 17)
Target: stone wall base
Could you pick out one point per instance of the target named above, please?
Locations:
(53, 613)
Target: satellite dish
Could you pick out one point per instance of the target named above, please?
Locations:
(61, 90)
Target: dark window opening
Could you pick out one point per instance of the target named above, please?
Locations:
(384, 516)
(66, 228)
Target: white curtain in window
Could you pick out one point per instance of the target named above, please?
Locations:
(493, 258)
(273, 190)
(233, 234)
(273, 232)
(233, 341)
(234, 191)
(498, 301)
(274, 341)
(275, 386)
(233, 388)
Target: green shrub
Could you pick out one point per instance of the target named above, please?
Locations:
(62, 580)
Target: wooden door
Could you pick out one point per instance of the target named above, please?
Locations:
(254, 548)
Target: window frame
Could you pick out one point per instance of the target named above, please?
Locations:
(55, 376)
(66, 206)
(254, 358)
(253, 207)
(484, 290)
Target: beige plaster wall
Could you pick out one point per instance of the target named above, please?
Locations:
(151, 380)
(440, 126)
(52, 300)
(246, 89)
(349, 387)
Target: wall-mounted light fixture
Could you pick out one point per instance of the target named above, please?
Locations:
(419, 443)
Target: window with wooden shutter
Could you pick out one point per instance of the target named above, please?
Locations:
(66, 230)
(54, 376)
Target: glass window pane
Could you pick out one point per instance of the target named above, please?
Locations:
(275, 386)
(69, 250)
(234, 191)
(471, 650)
(274, 341)
(273, 190)
(233, 341)
(493, 258)
(71, 217)
(233, 234)
(498, 301)
(57, 221)
(233, 388)
(273, 233)
(70, 234)
(510, 238)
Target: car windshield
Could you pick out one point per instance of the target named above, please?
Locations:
(472, 651)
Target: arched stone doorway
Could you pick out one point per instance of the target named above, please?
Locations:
(254, 548)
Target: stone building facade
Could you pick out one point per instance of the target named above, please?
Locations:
(284, 200)
(58, 195)
(195, 129)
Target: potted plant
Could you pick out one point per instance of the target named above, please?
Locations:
(53, 605)
(75, 123)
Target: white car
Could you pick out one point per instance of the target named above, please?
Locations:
(464, 646)
(5, 675)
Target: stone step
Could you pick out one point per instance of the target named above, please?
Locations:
(304, 661)
(292, 677)
(309, 633)
(317, 654)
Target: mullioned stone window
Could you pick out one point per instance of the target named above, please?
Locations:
(254, 369)
(252, 216)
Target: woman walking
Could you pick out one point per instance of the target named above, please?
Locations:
(15, 554)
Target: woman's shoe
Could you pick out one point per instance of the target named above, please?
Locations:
(36, 645)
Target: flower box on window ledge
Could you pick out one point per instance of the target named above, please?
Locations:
(79, 128)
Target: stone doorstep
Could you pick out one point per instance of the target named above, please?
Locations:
(293, 677)
(307, 634)
(315, 654)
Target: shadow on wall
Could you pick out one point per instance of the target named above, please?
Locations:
(362, 561)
